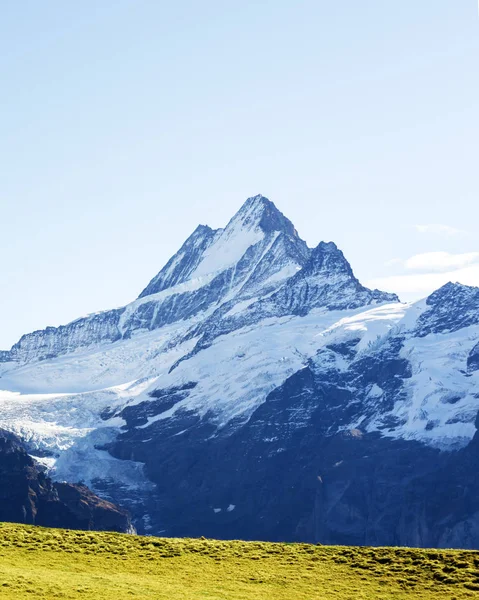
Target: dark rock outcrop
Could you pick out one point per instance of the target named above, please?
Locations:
(450, 308)
(473, 359)
(27, 495)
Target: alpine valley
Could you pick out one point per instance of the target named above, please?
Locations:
(256, 390)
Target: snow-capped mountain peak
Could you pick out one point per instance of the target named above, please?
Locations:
(264, 364)
(260, 213)
(208, 252)
(258, 260)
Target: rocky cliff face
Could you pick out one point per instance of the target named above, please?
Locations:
(473, 359)
(28, 496)
(55, 341)
(257, 389)
(450, 308)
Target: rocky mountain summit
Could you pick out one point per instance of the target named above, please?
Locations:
(257, 252)
(257, 389)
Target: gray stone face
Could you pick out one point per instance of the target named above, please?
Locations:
(55, 341)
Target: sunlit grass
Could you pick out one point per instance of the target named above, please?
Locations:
(55, 563)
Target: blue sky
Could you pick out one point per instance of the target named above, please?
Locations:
(126, 123)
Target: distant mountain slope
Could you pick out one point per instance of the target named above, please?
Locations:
(257, 389)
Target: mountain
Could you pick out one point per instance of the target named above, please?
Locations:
(257, 252)
(256, 389)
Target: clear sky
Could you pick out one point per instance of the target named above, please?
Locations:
(125, 123)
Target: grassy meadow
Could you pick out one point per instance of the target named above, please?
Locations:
(55, 563)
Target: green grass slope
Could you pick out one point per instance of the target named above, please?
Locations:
(54, 563)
